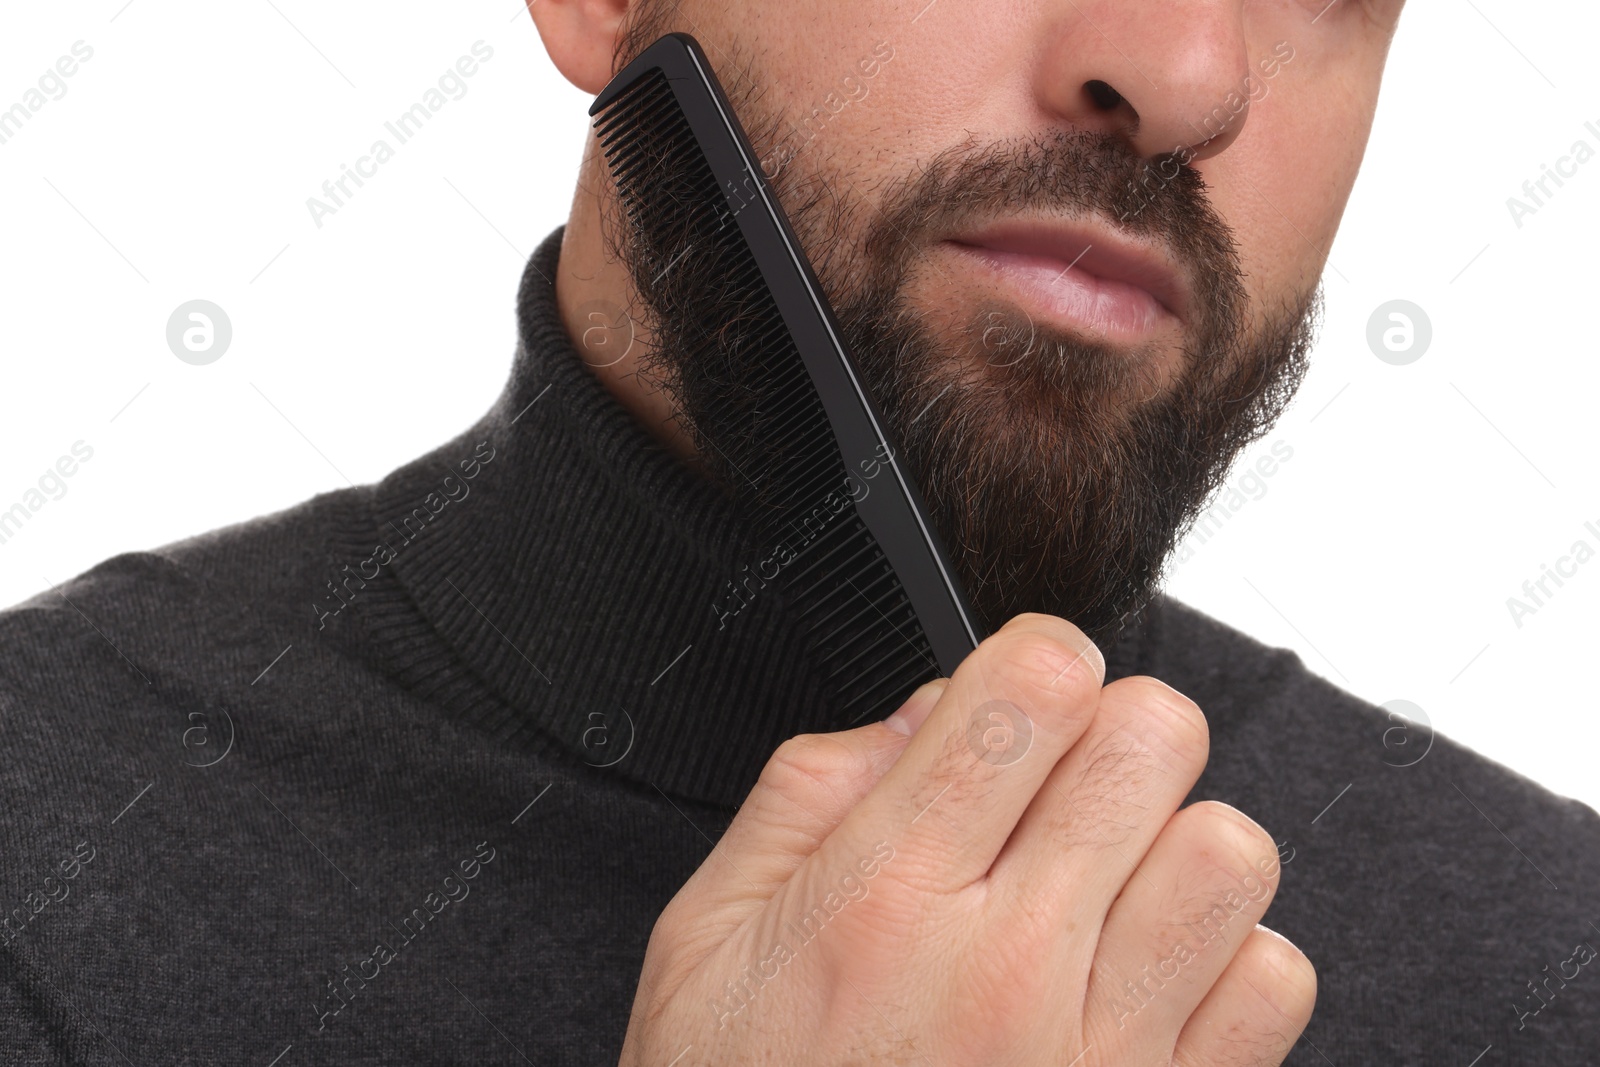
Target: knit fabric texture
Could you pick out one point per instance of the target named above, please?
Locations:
(405, 773)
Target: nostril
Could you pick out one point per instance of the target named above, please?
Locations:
(1104, 96)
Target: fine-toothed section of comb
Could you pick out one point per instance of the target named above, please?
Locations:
(859, 616)
(850, 601)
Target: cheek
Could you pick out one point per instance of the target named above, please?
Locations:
(926, 89)
(1283, 185)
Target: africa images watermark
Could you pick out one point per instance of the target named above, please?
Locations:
(202, 747)
(799, 931)
(451, 489)
(739, 591)
(1253, 90)
(1135, 995)
(344, 985)
(1536, 592)
(1566, 166)
(852, 89)
(51, 485)
(402, 128)
(37, 900)
(1251, 485)
(51, 84)
(1541, 995)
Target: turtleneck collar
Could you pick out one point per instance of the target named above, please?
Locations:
(556, 576)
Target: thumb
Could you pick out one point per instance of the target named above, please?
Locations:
(805, 790)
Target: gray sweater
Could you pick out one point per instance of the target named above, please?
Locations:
(405, 773)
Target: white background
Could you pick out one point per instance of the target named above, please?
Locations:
(177, 166)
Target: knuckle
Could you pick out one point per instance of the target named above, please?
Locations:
(1170, 718)
(1155, 742)
(1057, 660)
(1287, 972)
(1294, 971)
(807, 764)
(919, 878)
(1008, 985)
(670, 926)
(1231, 835)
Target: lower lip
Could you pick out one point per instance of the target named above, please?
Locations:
(1066, 295)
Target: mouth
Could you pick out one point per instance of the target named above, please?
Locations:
(1078, 275)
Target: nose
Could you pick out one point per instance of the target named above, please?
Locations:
(1170, 75)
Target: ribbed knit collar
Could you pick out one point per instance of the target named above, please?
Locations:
(562, 580)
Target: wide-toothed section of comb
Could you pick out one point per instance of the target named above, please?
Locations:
(829, 565)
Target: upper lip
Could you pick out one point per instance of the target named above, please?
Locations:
(1093, 247)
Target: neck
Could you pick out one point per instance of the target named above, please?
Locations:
(595, 295)
(555, 576)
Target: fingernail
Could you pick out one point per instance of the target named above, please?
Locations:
(914, 711)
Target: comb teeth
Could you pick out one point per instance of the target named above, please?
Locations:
(777, 386)
(856, 613)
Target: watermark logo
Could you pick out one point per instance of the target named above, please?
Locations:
(1399, 332)
(1133, 994)
(806, 530)
(851, 88)
(607, 335)
(999, 733)
(599, 743)
(1007, 341)
(1410, 738)
(199, 332)
(452, 488)
(207, 743)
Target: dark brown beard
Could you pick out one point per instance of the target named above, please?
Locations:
(1059, 475)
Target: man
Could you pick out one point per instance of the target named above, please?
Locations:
(545, 775)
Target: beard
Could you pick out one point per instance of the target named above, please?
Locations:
(1059, 472)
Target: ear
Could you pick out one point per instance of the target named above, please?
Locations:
(581, 37)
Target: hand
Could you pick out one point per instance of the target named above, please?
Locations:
(1012, 883)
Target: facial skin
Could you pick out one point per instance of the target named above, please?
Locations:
(1063, 441)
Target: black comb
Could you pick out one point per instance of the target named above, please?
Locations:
(848, 533)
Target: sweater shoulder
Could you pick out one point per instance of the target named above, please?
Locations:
(1413, 867)
(202, 606)
(1274, 712)
(1266, 695)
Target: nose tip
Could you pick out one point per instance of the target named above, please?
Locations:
(1190, 137)
(1200, 106)
(1178, 84)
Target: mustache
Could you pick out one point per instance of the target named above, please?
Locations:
(1070, 173)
